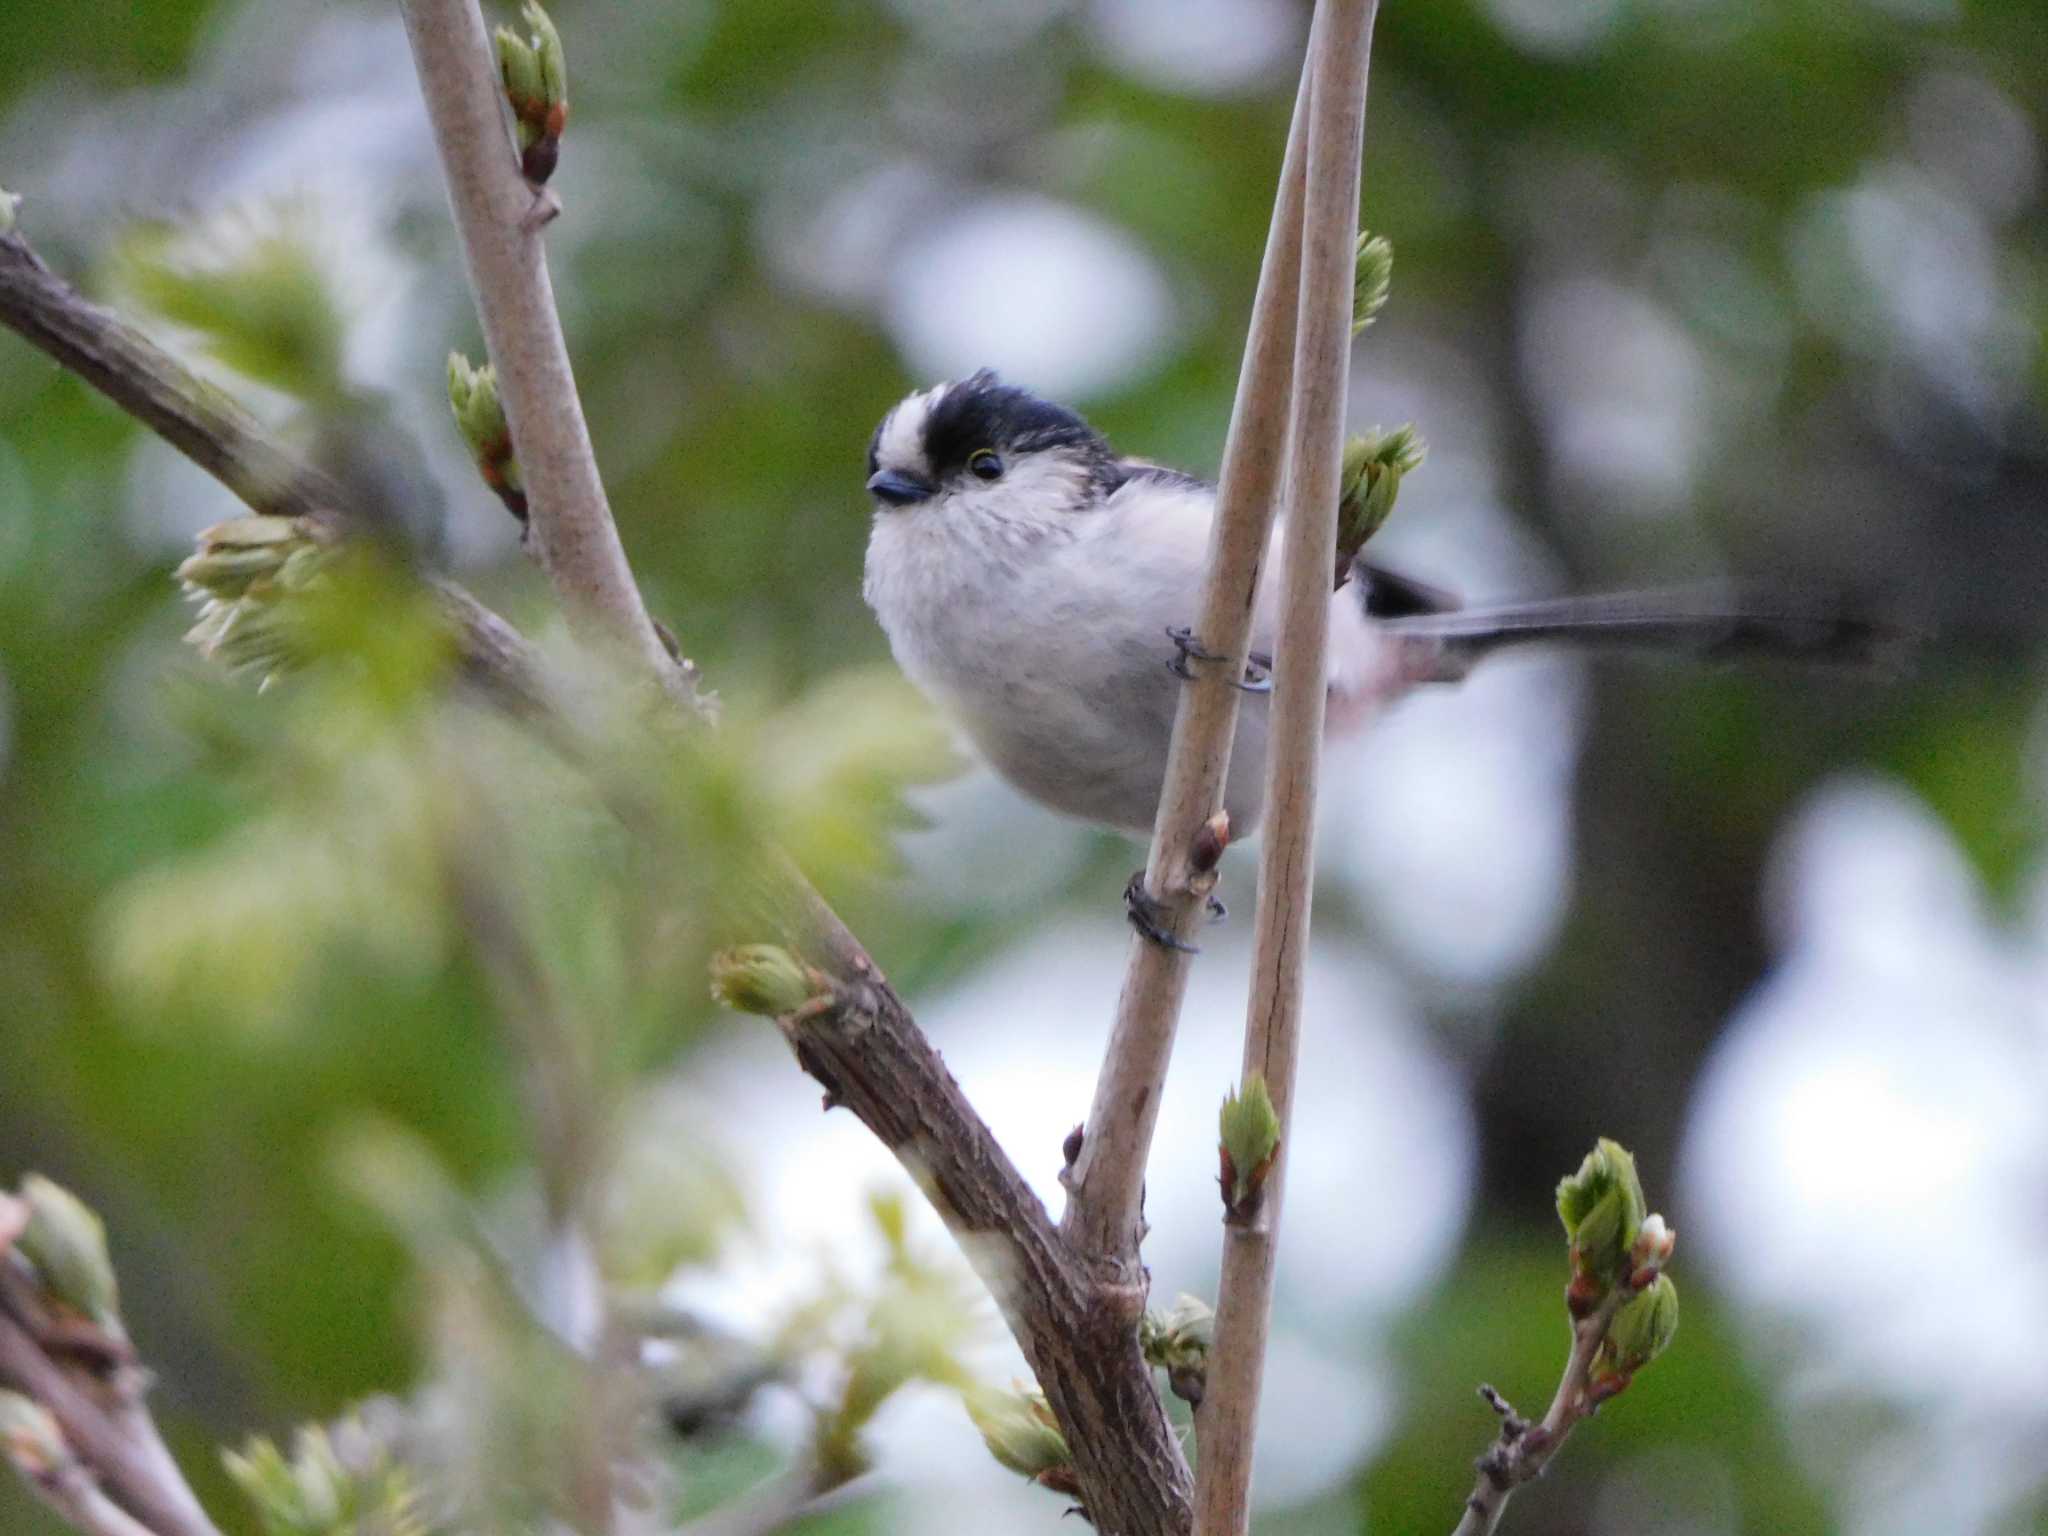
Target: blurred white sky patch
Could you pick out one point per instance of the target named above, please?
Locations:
(1867, 1160)
(988, 850)
(1199, 47)
(1621, 390)
(834, 233)
(1053, 297)
(1376, 1200)
(1451, 818)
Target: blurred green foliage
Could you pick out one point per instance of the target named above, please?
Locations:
(179, 854)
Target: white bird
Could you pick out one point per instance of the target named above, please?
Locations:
(1038, 588)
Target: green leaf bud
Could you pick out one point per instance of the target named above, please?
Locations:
(67, 1244)
(1602, 1209)
(1019, 1430)
(1249, 1136)
(29, 1437)
(519, 65)
(1372, 280)
(761, 978)
(1643, 1329)
(554, 63)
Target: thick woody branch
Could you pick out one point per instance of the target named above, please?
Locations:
(222, 438)
(1104, 1213)
(1229, 1414)
(872, 1059)
(571, 521)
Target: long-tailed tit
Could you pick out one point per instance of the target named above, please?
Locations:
(1038, 587)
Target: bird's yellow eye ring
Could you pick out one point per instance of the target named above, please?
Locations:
(985, 464)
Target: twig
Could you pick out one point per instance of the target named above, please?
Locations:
(1104, 1217)
(1226, 1424)
(212, 430)
(106, 1427)
(69, 1489)
(573, 532)
(1524, 1450)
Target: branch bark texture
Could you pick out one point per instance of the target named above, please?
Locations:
(1105, 1210)
(1228, 1418)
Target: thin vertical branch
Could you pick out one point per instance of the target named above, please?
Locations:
(572, 527)
(1104, 1217)
(1229, 1414)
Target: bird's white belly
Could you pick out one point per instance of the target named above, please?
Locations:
(1066, 693)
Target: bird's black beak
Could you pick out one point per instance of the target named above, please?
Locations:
(900, 490)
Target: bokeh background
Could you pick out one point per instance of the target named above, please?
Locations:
(1684, 289)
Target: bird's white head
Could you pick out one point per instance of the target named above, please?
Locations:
(982, 452)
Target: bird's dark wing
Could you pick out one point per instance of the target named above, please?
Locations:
(1390, 595)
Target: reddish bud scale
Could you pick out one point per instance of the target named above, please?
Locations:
(1211, 838)
(1582, 1295)
(537, 162)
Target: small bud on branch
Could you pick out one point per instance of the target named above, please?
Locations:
(536, 75)
(480, 418)
(66, 1244)
(763, 978)
(1249, 1139)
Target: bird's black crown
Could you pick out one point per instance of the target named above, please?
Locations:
(983, 412)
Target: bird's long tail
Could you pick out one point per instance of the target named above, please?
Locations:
(1704, 622)
(1701, 624)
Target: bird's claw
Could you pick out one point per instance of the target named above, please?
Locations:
(1186, 648)
(1258, 674)
(1146, 915)
(1217, 911)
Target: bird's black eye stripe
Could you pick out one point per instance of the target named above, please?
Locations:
(985, 464)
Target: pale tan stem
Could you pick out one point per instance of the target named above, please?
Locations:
(1228, 1419)
(573, 533)
(1104, 1218)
